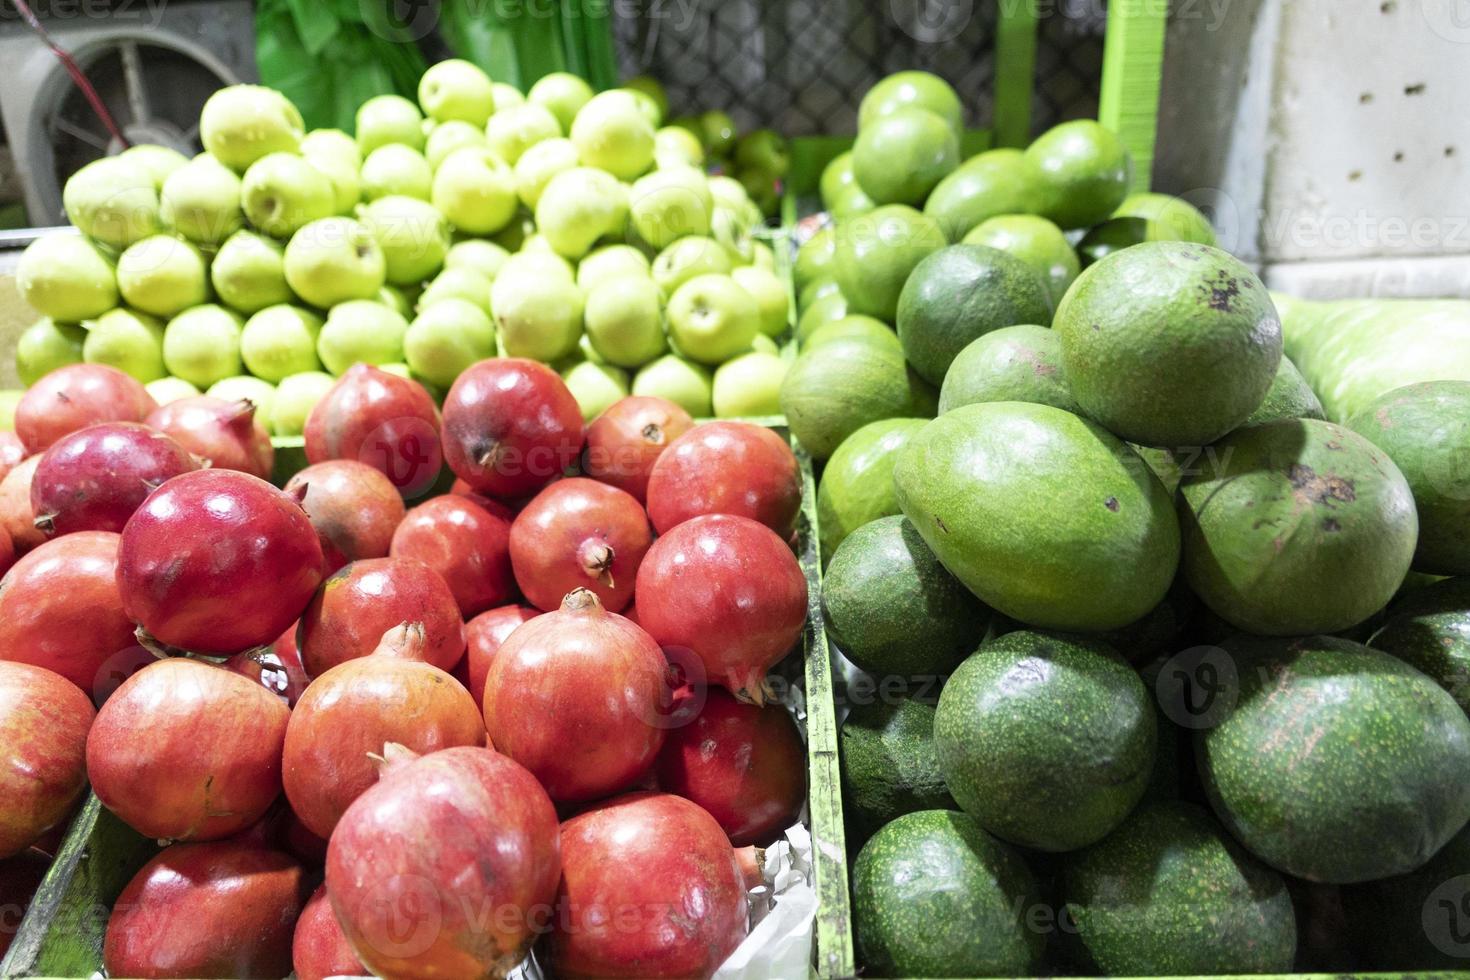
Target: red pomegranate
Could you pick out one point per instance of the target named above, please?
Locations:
(354, 508)
(383, 420)
(447, 867)
(94, 478)
(497, 507)
(667, 863)
(744, 764)
(510, 427)
(60, 609)
(467, 545)
(20, 879)
(726, 468)
(578, 533)
(12, 451)
(350, 711)
(357, 604)
(297, 838)
(186, 750)
(277, 667)
(17, 518)
(227, 434)
(217, 562)
(729, 590)
(483, 636)
(7, 552)
(43, 725)
(318, 948)
(626, 440)
(218, 909)
(74, 397)
(578, 696)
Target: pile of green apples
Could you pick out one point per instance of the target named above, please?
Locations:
(562, 225)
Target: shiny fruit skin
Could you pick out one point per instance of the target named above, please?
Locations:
(483, 637)
(277, 668)
(466, 544)
(352, 505)
(726, 468)
(227, 434)
(17, 518)
(383, 420)
(12, 451)
(95, 478)
(625, 441)
(74, 397)
(319, 949)
(578, 533)
(43, 725)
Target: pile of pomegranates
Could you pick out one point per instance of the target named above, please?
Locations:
(379, 731)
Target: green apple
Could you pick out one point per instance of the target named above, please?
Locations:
(675, 146)
(814, 291)
(624, 320)
(764, 150)
(295, 397)
(506, 94)
(63, 276)
(652, 90)
(163, 275)
(201, 201)
(814, 257)
(906, 89)
(281, 192)
(562, 94)
(475, 190)
(667, 205)
(711, 318)
(397, 298)
(447, 137)
(771, 300)
(537, 308)
(336, 156)
(538, 242)
(732, 229)
(540, 163)
(761, 186)
(578, 207)
(360, 330)
(762, 256)
(749, 385)
(45, 346)
(512, 131)
(478, 255)
(412, 235)
(458, 283)
(165, 390)
(158, 161)
(279, 341)
(128, 340)
(899, 157)
(446, 337)
(386, 119)
(681, 381)
(396, 169)
(513, 236)
(9, 399)
(249, 272)
(611, 262)
(333, 260)
(242, 123)
(612, 132)
(687, 258)
(719, 132)
(729, 193)
(202, 345)
(457, 90)
(242, 387)
(113, 202)
(334, 143)
(595, 386)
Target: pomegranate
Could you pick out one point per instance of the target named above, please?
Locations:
(510, 427)
(74, 397)
(447, 867)
(308, 848)
(650, 887)
(218, 909)
(497, 507)
(7, 551)
(186, 750)
(43, 726)
(353, 507)
(277, 667)
(357, 604)
(729, 590)
(744, 764)
(16, 517)
(94, 478)
(578, 696)
(726, 468)
(625, 441)
(20, 879)
(483, 636)
(350, 711)
(225, 433)
(12, 451)
(60, 609)
(578, 533)
(467, 545)
(319, 949)
(217, 562)
(383, 420)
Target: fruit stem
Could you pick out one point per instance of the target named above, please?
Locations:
(596, 557)
(580, 600)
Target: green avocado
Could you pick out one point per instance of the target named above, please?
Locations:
(1335, 762)
(815, 290)
(1167, 218)
(1037, 242)
(814, 258)
(1289, 397)
(824, 309)
(876, 251)
(992, 183)
(857, 482)
(1045, 516)
(1154, 632)
(1430, 629)
(854, 325)
(838, 387)
(1013, 364)
(1083, 170)
(1169, 893)
(1416, 921)
(1047, 741)
(936, 896)
(889, 766)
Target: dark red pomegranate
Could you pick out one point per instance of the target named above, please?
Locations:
(16, 517)
(277, 667)
(510, 427)
(60, 609)
(319, 949)
(579, 697)
(227, 434)
(726, 468)
(74, 397)
(20, 879)
(219, 909)
(578, 533)
(354, 508)
(95, 478)
(746, 765)
(386, 421)
(729, 590)
(467, 545)
(43, 725)
(670, 865)
(186, 750)
(12, 451)
(447, 867)
(297, 838)
(357, 604)
(350, 711)
(483, 636)
(625, 441)
(217, 562)
(497, 507)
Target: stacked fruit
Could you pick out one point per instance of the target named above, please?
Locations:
(561, 225)
(315, 678)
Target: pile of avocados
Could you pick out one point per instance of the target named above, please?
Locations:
(1165, 672)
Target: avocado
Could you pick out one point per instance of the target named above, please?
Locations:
(1169, 893)
(1335, 762)
(1084, 172)
(823, 309)
(1167, 218)
(875, 252)
(857, 482)
(988, 184)
(855, 326)
(1155, 632)
(1022, 363)
(1416, 921)
(838, 387)
(889, 765)
(1430, 629)
(936, 896)
(1165, 464)
(1035, 241)
(1289, 397)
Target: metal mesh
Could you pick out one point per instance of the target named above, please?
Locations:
(802, 66)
